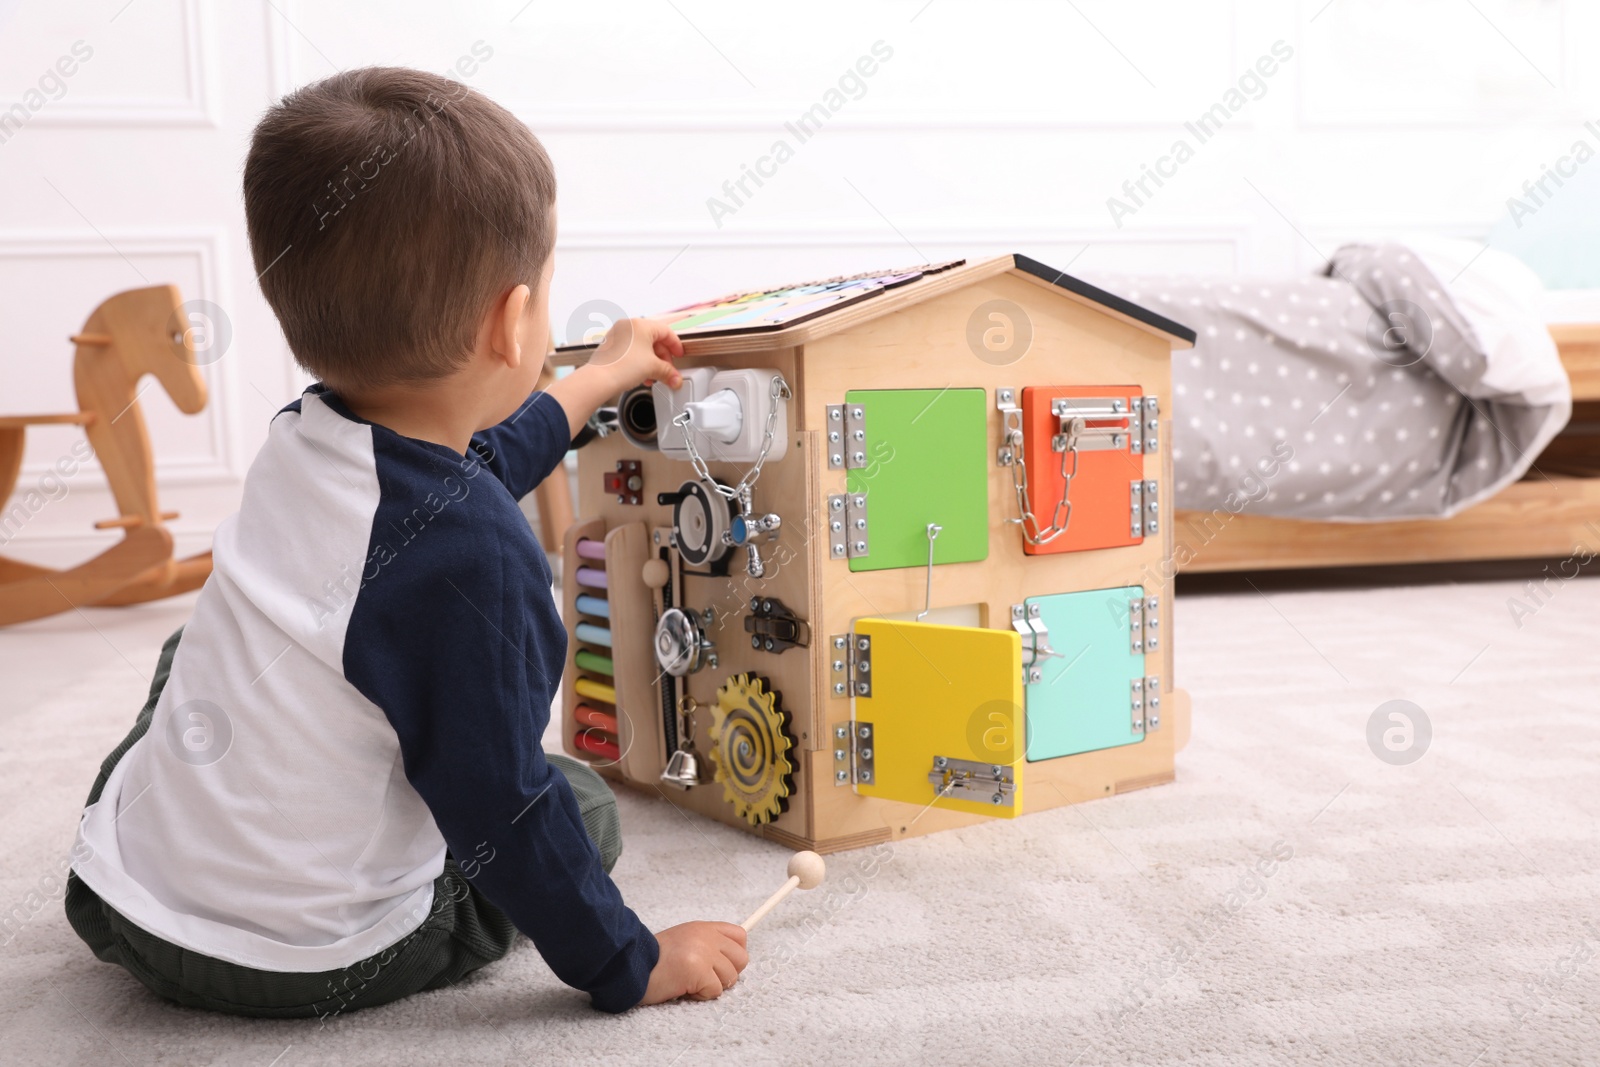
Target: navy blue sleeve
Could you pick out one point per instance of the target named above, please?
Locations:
(523, 450)
(455, 636)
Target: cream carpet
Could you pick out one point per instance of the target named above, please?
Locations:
(1293, 898)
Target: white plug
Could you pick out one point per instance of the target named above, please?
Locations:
(719, 416)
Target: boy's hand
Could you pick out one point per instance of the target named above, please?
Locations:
(698, 960)
(636, 351)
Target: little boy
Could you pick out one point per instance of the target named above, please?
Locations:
(336, 795)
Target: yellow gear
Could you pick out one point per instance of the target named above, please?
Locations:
(751, 749)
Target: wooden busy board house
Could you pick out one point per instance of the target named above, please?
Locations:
(894, 558)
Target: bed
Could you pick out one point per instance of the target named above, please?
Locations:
(1406, 405)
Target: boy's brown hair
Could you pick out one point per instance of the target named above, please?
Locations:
(387, 208)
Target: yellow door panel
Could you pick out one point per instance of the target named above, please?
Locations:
(942, 711)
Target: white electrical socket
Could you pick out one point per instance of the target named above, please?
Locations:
(753, 389)
(669, 405)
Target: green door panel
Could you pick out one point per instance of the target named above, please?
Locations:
(928, 459)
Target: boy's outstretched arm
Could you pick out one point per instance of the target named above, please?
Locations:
(523, 450)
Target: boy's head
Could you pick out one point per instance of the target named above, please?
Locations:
(390, 212)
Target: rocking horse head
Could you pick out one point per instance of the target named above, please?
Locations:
(154, 331)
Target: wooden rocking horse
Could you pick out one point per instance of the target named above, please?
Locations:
(139, 332)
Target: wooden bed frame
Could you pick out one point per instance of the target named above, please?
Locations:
(1544, 514)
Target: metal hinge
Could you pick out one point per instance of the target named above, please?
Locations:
(855, 436)
(861, 665)
(850, 669)
(1144, 694)
(837, 546)
(839, 665)
(842, 763)
(1035, 640)
(1144, 619)
(855, 524)
(981, 783)
(861, 755)
(852, 753)
(1144, 507)
(847, 436)
(1144, 426)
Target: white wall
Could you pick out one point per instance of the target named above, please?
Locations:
(1001, 125)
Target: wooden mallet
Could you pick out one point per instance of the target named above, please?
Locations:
(806, 870)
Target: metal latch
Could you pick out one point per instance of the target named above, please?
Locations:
(981, 783)
(1096, 424)
(1005, 402)
(1035, 640)
(773, 627)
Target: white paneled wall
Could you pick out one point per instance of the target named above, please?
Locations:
(936, 129)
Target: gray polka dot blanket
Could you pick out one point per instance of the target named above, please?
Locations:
(1401, 381)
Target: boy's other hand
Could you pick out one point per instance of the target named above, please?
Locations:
(698, 960)
(638, 351)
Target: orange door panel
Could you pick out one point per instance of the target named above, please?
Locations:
(1105, 466)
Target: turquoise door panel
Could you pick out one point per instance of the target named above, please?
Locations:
(1083, 700)
(928, 458)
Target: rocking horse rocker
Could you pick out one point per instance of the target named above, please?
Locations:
(138, 332)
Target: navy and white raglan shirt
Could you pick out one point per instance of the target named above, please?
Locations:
(363, 687)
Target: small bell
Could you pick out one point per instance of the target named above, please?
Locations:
(683, 769)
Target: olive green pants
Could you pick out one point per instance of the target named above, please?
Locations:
(463, 930)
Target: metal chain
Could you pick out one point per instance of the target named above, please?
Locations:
(779, 391)
(1019, 481)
